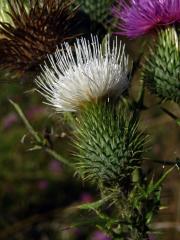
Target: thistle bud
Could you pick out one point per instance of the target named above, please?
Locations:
(161, 71)
(98, 10)
(35, 30)
(109, 144)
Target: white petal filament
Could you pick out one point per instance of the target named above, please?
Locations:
(88, 71)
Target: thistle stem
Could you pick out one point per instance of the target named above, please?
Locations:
(39, 139)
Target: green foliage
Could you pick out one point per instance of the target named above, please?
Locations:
(109, 144)
(161, 70)
(134, 209)
(98, 10)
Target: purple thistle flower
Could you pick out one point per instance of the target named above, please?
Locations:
(140, 16)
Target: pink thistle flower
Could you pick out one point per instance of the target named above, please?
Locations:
(140, 16)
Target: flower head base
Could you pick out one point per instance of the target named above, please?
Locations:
(109, 144)
(94, 71)
(36, 27)
(140, 16)
(161, 71)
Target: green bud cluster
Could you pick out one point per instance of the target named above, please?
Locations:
(108, 142)
(98, 10)
(161, 71)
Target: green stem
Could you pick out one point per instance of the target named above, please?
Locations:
(26, 122)
(158, 183)
(40, 140)
(57, 156)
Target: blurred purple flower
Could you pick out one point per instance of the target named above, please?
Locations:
(86, 198)
(42, 184)
(9, 120)
(140, 16)
(55, 166)
(151, 237)
(77, 232)
(35, 112)
(98, 235)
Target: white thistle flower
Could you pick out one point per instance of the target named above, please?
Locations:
(86, 72)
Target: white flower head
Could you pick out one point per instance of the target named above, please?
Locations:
(86, 72)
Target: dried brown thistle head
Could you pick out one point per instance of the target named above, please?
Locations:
(37, 28)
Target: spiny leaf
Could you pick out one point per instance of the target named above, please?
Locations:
(94, 205)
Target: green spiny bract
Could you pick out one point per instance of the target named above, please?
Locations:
(161, 70)
(109, 144)
(98, 10)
